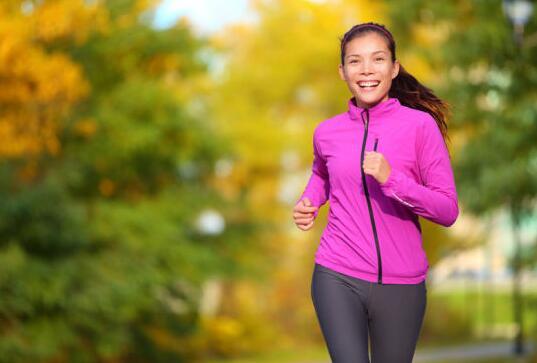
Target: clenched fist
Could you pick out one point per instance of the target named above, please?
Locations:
(303, 214)
(375, 164)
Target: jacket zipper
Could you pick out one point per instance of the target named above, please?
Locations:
(364, 182)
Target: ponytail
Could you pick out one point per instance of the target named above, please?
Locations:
(411, 93)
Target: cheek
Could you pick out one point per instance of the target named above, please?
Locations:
(388, 83)
(388, 80)
(385, 70)
(352, 72)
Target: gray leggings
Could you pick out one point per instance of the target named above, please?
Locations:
(349, 308)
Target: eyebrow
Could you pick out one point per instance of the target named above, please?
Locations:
(358, 55)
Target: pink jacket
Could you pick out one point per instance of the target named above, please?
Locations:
(373, 232)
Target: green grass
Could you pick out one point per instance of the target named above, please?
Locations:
(487, 308)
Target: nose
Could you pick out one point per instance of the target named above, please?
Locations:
(366, 67)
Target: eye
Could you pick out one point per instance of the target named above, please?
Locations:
(353, 61)
(379, 59)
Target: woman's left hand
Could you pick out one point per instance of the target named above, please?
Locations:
(376, 165)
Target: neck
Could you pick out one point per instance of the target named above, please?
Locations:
(368, 105)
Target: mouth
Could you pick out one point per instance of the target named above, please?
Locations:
(368, 84)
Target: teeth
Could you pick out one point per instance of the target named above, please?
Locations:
(368, 84)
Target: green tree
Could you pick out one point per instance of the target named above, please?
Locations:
(100, 257)
(488, 80)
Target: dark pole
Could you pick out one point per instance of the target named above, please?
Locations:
(519, 13)
(489, 293)
(517, 295)
(518, 347)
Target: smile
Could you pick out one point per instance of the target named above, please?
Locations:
(366, 84)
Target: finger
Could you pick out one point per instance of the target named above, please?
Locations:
(306, 209)
(305, 227)
(371, 164)
(303, 210)
(367, 170)
(299, 213)
(372, 159)
(301, 226)
(303, 220)
(302, 215)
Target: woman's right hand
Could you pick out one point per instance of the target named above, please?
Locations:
(303, 214)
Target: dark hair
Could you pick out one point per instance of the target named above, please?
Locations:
(405, 87)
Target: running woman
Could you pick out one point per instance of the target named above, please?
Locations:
(381, 164)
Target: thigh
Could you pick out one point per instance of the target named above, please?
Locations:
(396, 316)
(341, 315)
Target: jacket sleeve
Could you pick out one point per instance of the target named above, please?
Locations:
(436, 198)
(318, 186)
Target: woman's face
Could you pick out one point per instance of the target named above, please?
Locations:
(368, 69)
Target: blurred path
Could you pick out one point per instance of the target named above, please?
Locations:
(474, 351)
(463, 352)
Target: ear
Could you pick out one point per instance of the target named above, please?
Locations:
(341, 72)
(395, 69)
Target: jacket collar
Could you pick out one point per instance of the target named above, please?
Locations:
(380, 109)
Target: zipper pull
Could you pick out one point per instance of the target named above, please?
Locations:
(376, 142)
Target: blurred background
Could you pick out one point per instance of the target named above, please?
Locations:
(151, 153)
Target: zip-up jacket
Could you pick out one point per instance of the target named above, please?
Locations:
(373, 232)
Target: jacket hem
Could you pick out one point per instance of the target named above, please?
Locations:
(370, 277)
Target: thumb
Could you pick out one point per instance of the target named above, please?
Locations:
(306, 202)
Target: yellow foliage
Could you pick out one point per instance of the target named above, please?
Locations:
(140, 6)
(223, 334)
(86, 127)
(163, 63)
(39, 87)
(185, 345)
(27, 133)
(430, 35)
(418, 67)
(62, 19)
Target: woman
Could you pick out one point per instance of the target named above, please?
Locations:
(370, 267)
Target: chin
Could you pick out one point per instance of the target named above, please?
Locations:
(369, 100)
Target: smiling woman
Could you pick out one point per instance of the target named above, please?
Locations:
(381, 164)
(367, 69)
